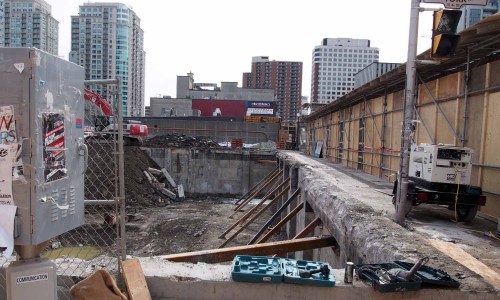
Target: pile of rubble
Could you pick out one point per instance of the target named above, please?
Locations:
(138, 191)
(180, 141)
(164, 183)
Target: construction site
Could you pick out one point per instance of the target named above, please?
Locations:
(129, 209)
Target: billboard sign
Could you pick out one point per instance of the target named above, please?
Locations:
(264, 108)
(457, 3)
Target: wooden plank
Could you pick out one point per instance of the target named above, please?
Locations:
(310, 227)
(281, 223)
(134, 280)
(278, 197)
(227, 254)
(467, 260)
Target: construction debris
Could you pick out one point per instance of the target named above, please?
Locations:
(180, 141)
(163, 182)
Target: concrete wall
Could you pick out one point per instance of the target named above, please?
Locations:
(220, 129)
(210, 171)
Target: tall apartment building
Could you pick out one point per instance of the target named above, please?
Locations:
(28, 23)
(107, 40)
(284, 77)
(334, 64)
(471, 14)
(2, 24)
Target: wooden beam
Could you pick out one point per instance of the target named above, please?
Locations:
(275, 216)
(229, 239)
(227, 254)
(265, 185)
(310, 227)
(257, 186)
(284, 185)
(281, 223)
(245, 216)
(467, 260)
(134, 280)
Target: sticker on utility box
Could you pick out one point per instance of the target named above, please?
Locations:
(32, 278)
(53, 146)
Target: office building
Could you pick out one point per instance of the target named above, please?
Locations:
(2, 24)
(107, 40)
(372, 71)
(284, 77)
(471, 14)
(187, 88)
(334, 64)
(28, 23)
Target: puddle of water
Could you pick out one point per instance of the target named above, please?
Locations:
(85, 252)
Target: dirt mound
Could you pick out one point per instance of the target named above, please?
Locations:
(180, 141)
(138, 191)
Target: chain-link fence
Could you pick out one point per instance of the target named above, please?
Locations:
(96, 244)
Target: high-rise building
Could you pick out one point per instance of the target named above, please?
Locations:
(28, 23)
(107, 40)
(2, 24)
(334, 64)
(284, 77)
(471, 14)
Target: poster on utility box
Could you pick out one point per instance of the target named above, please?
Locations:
(8, 149)
(53, 146)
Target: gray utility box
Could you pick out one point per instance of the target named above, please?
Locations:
(46, 93)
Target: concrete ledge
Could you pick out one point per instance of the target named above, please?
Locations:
(354, 214)
(167, 280)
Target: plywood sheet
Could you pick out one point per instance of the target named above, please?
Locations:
(444, 134)
(492, 142)
(467, 260)
(424, 96)
(428, 117)
(448, 86)
(475, 115)
(135, 280)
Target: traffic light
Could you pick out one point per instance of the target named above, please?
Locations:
(444, 37)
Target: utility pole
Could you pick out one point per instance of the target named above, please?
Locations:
(409, 111)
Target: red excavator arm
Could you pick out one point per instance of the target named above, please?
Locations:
(99, 101)
(106, 123)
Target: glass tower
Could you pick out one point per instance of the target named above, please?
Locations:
(106, 39)
(28, 23)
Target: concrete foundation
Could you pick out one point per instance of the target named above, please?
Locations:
(168, 280)
(358, 217)
(215, 171)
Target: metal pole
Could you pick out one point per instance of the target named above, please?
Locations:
(409, 109)
(466, 98)
(121, 170)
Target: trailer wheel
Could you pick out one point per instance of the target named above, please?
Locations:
(466, 213)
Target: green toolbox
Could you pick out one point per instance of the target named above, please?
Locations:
(308, 272)
(257, 269)
(276, 270)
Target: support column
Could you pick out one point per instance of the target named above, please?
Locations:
(245, 173)
(294, 182)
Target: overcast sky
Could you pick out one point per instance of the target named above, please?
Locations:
(216, 39)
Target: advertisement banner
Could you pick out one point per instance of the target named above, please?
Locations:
(260, 111)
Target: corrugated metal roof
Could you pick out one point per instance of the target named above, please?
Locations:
(482, 40)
